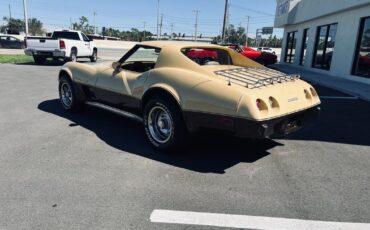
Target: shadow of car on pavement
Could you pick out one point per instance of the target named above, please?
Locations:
(205, 154)
(51, 63)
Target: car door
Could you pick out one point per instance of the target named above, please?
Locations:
(86, 46)
(118, 86)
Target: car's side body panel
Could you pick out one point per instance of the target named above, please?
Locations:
(206, 98)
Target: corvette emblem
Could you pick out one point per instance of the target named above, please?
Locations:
(293, 99)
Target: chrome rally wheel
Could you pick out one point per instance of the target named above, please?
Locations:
(160, 124)
(164, 124)
(66, 96)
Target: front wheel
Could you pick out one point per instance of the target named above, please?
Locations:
(164, 124)
(94, 56)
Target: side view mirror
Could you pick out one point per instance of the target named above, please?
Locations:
(116, 65)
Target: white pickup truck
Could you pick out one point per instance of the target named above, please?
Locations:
(66, 44)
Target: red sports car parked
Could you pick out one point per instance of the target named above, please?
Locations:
(258, 56)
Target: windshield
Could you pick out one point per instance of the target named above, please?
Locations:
(208, 56)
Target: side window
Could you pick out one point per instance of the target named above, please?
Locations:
(143, 59)
(85, 38)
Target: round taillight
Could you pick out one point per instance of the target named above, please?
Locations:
(307, 94)
(313, 92)
(273, 102)
(261, 105)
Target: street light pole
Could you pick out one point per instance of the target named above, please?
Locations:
(144, 30)
(196, 23)
(160, 27)
(225, 18)
(25, 16)
(10, 12)
(246, 42)
(94, 22)
(158, 20)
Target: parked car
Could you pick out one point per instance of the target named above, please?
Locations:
(180, 88)
(11, 42)
(66, 44)
(258, 56)
(266, 50)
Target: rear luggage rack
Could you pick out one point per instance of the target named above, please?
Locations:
(255, 77)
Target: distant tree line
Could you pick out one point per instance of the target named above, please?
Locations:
(237, 36)
(15, 26)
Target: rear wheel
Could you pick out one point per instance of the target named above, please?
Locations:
(67, 94)
(164, 124)
(72, 56)
(39, 60)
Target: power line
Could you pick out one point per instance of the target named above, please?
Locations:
(251, 10)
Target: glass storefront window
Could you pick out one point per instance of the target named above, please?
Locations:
(324, 48)
(290, 47)
(361, 65)
(304, 47)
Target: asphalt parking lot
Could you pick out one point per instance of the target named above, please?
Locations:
(96, 170)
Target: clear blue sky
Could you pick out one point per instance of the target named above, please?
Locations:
(125, 14)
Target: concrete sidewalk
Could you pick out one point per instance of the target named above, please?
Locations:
(358, 89)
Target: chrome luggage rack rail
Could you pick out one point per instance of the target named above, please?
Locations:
(255, 77)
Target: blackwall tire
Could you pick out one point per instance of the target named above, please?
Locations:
(39, 60)
(94, 56)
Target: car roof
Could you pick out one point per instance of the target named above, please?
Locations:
(179, 44)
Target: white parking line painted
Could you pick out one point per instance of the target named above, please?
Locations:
(251, 222)
(333, 97)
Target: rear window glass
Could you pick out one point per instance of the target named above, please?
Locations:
(208, 56)
(66, 35)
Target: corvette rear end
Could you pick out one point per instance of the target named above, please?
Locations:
(268, 102)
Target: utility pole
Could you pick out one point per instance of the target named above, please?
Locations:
(25, 16)
(171, 30)
(70, 24)
(144, 30)
(94, 22)
(160, 27)
(196, 23)
(10, 12)
(158, 20)
(246, 42)
(225, 19)
(256, 38)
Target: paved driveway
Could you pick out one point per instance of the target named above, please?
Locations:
(95, 170)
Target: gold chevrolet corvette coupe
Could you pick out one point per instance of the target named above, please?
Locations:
(177, 88)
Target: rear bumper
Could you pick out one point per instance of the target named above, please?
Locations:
(242, 127)
(45, 53)
(279, 126)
